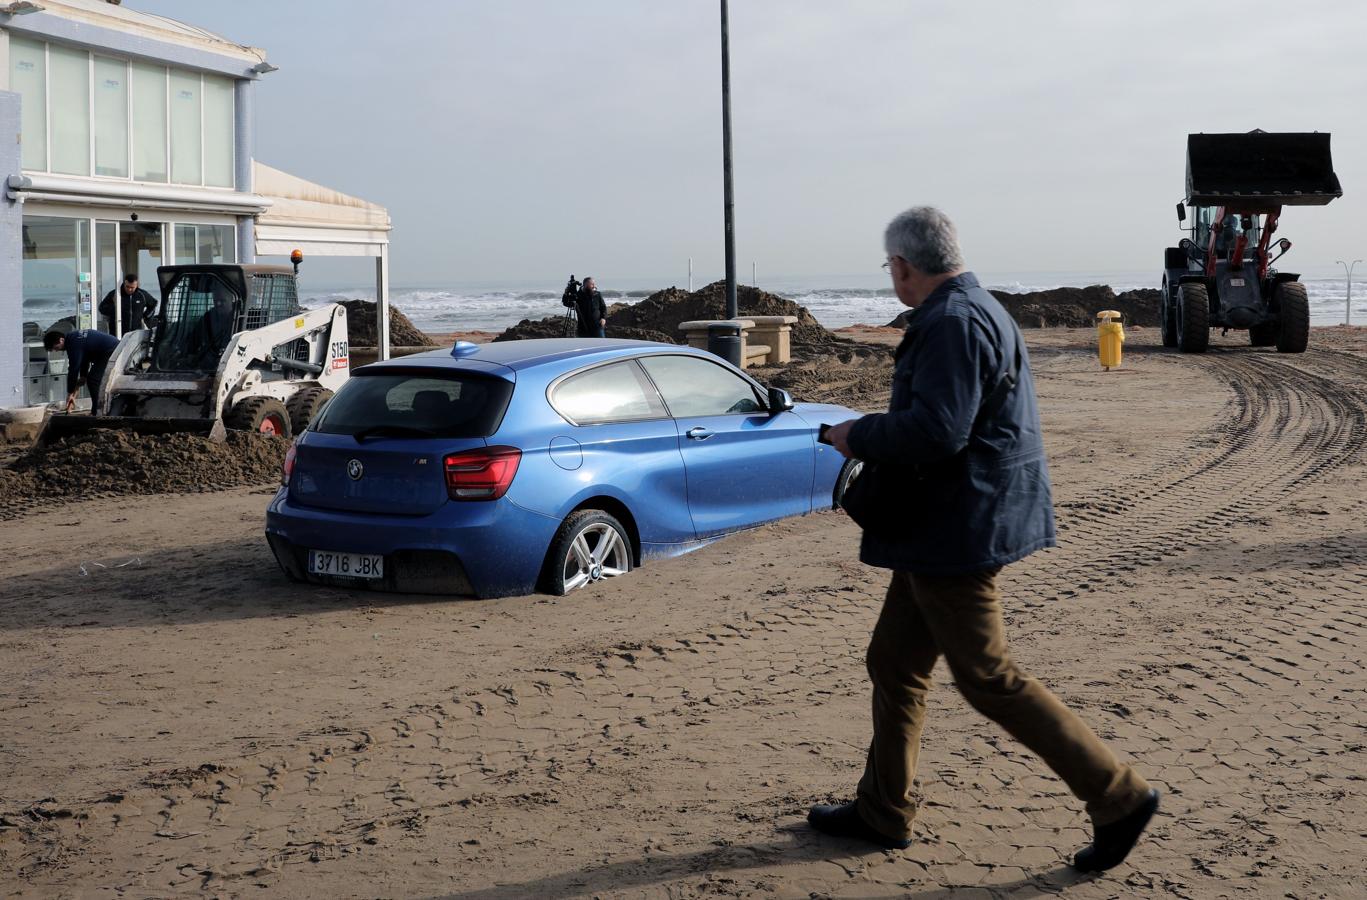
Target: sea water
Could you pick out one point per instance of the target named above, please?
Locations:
(835, 300)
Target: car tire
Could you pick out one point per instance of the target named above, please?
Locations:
(1193, 318)
(848, 473)
(304, 406)
(589, 546)
(1167, 314)
(264, 415)
(1293, 317)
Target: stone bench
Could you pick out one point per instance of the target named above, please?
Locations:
(765, 340)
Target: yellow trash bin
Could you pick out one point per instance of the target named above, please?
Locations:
(1110, 336)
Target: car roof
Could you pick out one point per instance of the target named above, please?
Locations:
(535, 352)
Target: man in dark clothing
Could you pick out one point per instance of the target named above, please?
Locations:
(87, 355)
(591, 310)
(136, 306)
(216, 328)
(963, 414)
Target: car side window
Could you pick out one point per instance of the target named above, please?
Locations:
(696, 387)
(618, 392)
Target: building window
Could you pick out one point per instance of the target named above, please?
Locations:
(69, 103)
(111, 117)
(28, 78)
(150, 123)
(205, 244)
(219, 94)
(187, 144)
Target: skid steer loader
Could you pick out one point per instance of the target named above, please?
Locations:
(1221, 277)
(232, 349)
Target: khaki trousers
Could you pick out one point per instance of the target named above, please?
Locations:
(960, 618)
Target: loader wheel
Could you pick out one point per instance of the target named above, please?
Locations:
(1264, 335)
(1293, 317)
(264, 415)
(1193, 318)
(304, 405)
(1167, 315)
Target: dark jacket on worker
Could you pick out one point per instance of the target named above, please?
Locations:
(591, 309)
(87, 354)
(136, 309)
(983, 499)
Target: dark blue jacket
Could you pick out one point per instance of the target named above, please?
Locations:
(985, 498)
(87, 352)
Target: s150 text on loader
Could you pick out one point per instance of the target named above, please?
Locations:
(1222, 276)
(232, 349)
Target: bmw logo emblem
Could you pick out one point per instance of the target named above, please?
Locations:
(355, 469)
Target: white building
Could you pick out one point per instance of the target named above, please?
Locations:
(126, 143)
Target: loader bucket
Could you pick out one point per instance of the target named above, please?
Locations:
(1258, 171)
(65, 425)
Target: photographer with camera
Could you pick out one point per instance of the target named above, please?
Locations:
(588, 305)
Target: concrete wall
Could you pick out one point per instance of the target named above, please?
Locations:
(245, 135)
(11, 261)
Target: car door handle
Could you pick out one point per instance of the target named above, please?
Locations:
(698, 434)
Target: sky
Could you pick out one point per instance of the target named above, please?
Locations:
(522, 140)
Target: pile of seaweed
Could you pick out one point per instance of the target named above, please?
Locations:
(657, 317)
(362, 329)
(1073, 307)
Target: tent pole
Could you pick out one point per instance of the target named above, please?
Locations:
(382, 302)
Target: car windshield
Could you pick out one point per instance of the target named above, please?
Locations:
(416, 403)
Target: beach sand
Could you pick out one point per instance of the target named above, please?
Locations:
(177, 718)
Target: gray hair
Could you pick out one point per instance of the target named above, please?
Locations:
(925, 237)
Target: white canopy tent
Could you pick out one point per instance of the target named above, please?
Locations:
(323, 222)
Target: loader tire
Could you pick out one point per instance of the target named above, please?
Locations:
(1264, 335)
(1293, 317)
(263, 415)
(1193, 318)
(304, 405)
(1168, 315)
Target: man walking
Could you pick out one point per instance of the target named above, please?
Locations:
(591, 310)
(136, 306)
(87, 356)
(963, 419)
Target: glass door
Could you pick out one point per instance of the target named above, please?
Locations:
(108, 272)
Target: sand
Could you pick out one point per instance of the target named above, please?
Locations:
(176, 718)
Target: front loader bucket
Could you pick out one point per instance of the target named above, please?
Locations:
(1257, 171)
(63, 425)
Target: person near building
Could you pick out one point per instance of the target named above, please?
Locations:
(87, 357)
(591, 310)
(961, 455)
(136, 307)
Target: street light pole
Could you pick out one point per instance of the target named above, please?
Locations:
(1348, 303)
(728, 199)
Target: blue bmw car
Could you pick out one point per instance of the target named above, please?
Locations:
(498, 469)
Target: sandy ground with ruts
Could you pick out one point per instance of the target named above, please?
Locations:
(176, 718)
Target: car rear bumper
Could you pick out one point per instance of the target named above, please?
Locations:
(480, 549)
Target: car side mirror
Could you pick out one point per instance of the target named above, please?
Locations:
(779, 401)
(1181, 212)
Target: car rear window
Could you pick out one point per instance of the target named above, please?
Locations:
(416, 403)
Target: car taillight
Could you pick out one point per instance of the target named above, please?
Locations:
(483, 474)
(287, 469)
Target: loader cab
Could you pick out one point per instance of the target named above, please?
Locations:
(1203, 222)
(204, 306)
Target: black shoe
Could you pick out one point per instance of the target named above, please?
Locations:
(844, 821)
(1113, 842)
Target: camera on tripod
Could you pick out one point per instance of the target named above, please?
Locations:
(571, 294)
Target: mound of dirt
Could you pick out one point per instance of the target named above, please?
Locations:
(664, 310)
(113, 463)
(532, 329)
(554, 327)
(362, 329)
(1070, 307)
